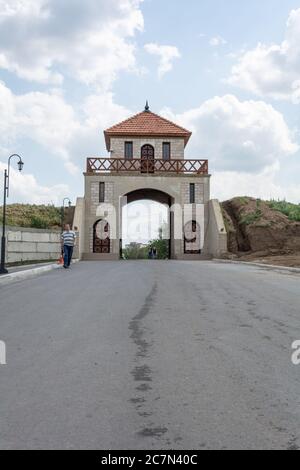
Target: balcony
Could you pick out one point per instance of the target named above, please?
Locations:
(148, 166)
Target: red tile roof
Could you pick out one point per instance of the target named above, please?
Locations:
(146, 124)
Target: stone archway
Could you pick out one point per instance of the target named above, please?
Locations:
(156, 196)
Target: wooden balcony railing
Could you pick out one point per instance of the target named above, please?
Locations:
(136, 165)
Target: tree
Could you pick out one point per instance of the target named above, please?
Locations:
(162, 248)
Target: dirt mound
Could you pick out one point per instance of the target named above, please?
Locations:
(255, 228)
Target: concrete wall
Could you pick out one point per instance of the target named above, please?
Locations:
(26, 244)
(216, 234)
(118, 144)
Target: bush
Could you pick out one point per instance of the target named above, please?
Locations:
(38, 222)
(162, 248)
(243, 200)
(252, 217)
(292, 211)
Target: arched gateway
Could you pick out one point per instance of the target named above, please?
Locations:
(153, 195)
(147, 161)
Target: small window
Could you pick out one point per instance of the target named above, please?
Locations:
(192, 193)
(166, 151)
(128, 150)
(101, 192)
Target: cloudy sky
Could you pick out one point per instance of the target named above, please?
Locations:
(228, 71)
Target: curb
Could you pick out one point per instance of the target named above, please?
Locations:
(29, 273)
(259, 265)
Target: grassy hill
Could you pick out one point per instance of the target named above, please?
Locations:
(36, 216)
(292, 211)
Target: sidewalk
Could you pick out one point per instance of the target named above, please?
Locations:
(27, 267)
(19, 273)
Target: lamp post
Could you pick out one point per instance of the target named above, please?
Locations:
(63, 211)
(3, 270)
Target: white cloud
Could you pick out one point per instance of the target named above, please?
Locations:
(272, 70)
(217, 41)
(47, 120)
(95, 117)
(98, 112)
(246, 142)
(91, 40)
(238, 135)
(24, 187)
(264, 185)
(166, 54)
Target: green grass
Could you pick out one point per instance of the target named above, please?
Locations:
(32, 216)
(243, 199)
(292, 211)
(252, 217)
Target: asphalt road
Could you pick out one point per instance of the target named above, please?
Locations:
(151, 355)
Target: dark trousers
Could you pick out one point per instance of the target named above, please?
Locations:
(68, 253)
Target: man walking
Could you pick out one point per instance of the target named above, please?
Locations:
(68, 239)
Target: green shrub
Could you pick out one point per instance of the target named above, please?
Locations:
(243, 199)
(292, 211)
(38, 222)
(250, 218)
(162, 248)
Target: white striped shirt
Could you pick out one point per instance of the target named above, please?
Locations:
(68, 238)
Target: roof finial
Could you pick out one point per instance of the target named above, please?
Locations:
(147, 108)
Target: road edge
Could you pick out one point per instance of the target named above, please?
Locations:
(260, 265)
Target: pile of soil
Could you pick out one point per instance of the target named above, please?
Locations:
(258, 232)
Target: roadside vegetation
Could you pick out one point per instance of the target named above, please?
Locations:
(32, 216)
(292, 211)
(139, 251)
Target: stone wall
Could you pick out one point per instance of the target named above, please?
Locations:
(217, 235)
(26, 244)
(94, 195)
(185, 193)
(177, 147)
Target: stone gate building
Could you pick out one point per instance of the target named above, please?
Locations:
(147, 161)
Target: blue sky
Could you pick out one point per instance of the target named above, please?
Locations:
(227, 70)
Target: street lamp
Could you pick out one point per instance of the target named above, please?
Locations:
(5, 196)
(63, 211)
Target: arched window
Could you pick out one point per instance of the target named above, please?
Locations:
(147, 159)
(192, 238)
(101, 237)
